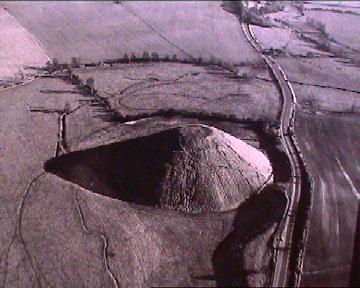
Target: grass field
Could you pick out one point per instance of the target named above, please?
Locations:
(51, 228)
(341, 27)
(27, 139)
(325, 84)
(50, 206)
(348, 7)
(318, 54)
(326, 72)
(138, 88)
(18, 49)
(321, 99)
(95, 31)
(331, 148)
(321, 30)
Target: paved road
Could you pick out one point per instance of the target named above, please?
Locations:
(284, 274)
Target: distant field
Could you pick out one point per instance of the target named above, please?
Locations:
(18, 49)
(285, 41)
(320, 71)
(331, 146)
(324, 84)
(341, 27)
(322, 30)
(95, 31)
(338, 5)
(325, 99)
(138, 88)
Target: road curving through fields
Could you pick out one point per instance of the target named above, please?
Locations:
(293, 229)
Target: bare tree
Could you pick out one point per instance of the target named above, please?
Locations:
(75, 62)
(155, 56)
(126, 58)
(146, 56)
(133, 57)
(55, 63)
(49, 66)
(90, 82)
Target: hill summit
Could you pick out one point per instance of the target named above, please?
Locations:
(193, 169)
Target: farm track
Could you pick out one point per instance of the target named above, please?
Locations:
(294, 227)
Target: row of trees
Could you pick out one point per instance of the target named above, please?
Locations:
(55, 65)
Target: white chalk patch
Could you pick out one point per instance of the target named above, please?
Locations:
(347, 177)
(130, 122)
